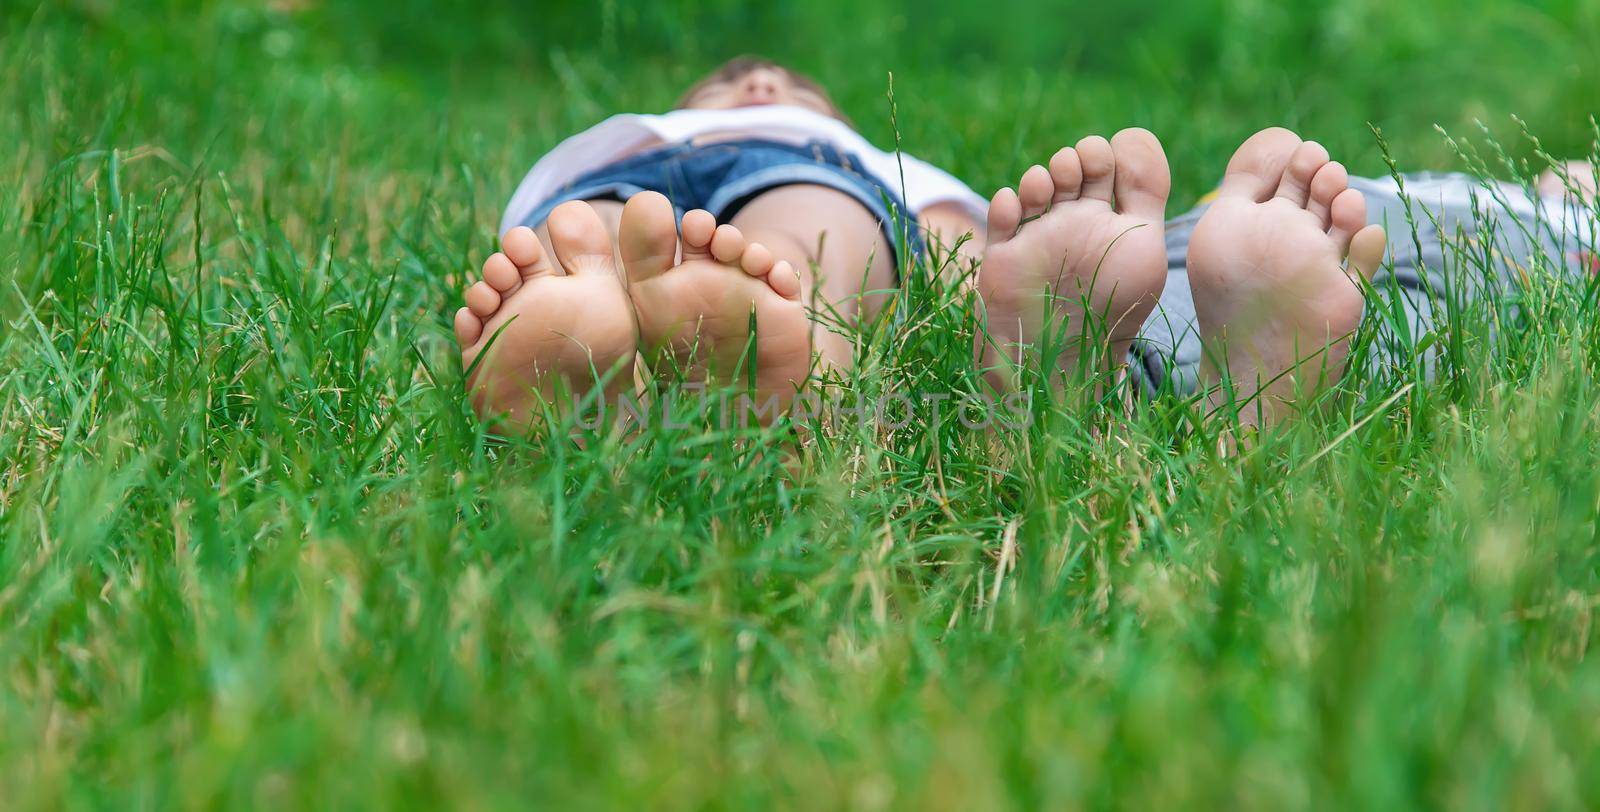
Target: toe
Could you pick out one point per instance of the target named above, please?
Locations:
(647, 236)
(1067, 174)
(580, 239)
(1143, 179)
(698, 229)
(1308, 159)
(1366, 251)
(1327, 184)
(482, 300)
(1256, 169)
(1099, 167)
(1005, 215)
(522, 247)
(727, 244)
(468, 328)
(757, 260)
(784, 280)
(1035, 191)
(500, 273)
(1349, 215)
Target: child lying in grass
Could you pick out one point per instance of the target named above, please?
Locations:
(612, 245)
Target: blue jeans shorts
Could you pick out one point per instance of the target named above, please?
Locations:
(722, 177)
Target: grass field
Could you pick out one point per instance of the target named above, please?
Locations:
(255, 551)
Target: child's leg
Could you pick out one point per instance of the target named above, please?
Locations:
(1576, 179)
(844, 260)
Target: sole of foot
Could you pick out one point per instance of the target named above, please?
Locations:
(1076, 256)
(697, 298)
(534, 325)
(1274, 265)
(1078, 252)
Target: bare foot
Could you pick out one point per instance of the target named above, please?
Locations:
(697, 308)
(565, 323)
(1267, 263)
(1094, 254)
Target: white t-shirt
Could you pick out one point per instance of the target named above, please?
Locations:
(623, 135)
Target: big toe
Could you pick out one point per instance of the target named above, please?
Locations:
(1256, 169)
(1143, 179)
(647, 236)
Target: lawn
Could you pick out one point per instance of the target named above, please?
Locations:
(256, 551)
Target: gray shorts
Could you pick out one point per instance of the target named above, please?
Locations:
(1445, 208)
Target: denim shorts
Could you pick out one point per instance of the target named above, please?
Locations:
(722, 177)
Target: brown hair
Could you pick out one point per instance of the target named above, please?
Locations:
(738, 66)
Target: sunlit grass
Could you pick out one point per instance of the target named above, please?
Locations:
(255, 550)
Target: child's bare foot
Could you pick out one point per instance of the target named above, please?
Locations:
(698, 307)
(568, 320)
(1095, 249)
(1267, 266)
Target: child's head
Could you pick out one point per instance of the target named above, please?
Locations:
(747, 81)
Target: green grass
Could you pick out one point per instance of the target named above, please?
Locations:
(255, 551)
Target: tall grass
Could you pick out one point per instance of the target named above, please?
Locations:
(255, 550)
